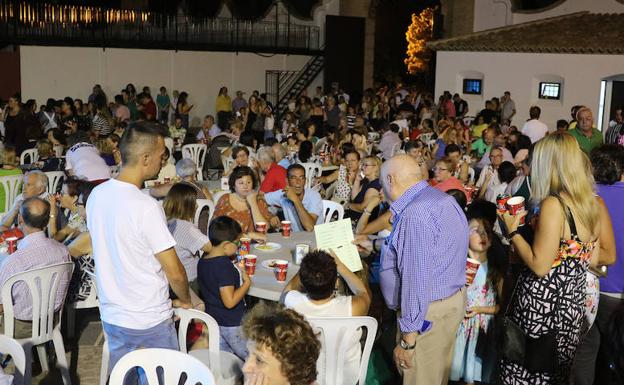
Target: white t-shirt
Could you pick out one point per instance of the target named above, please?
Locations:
(85, 162)
(339, 306)
(127, 229)
(534, 129)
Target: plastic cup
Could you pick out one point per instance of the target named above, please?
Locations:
(281, 269)
(286, 229)
(515, 205)
(250, 264)
(261, 227)
(12, 241)
(245, 246)
(472, 265)
(501, 202)
(301, 249)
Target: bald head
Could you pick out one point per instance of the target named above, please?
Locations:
(35, 213)
(399, 174)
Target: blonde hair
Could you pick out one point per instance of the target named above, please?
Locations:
(560, 168)
(45, 148)
(9, 156)
(374, 159)
(104, 145)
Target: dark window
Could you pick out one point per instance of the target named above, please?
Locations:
(472, 86)
(550, 90)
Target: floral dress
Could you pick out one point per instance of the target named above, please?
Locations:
(342, 193)
(553, 303)
(466, 365)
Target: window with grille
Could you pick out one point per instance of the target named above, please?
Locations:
(472, 86)
(549, 90)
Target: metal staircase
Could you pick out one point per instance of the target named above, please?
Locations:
(281, 85)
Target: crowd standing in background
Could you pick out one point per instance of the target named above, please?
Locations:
(425, 182)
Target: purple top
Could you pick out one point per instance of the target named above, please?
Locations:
(613, 196)
(424, 258)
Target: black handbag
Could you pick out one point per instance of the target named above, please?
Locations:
(535, 354)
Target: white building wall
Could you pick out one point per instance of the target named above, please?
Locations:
(520, 74)
(67, 71)
(490, 14)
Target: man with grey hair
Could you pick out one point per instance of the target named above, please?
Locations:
(422, 270)
(35, 250)
(274, 175)
(35, 184)
(280, 155)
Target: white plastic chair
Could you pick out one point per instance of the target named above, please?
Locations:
(471, 174)
(114, 170)
(336, 338)
(32, 154)
(54, 180)
(90, 302)
(172, 362)
(373, 136)
(225, 366)
(197, 153)
(58, 150)
(43, 284)
(312, 170)
(330, 208)
(12, 184)
(13, 348)
(169, 143)
(201, 204)
(228, 163)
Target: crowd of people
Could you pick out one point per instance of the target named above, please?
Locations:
(423, 183)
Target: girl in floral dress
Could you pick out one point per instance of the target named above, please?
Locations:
(468, 365)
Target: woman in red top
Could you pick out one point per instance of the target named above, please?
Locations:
(443, 178)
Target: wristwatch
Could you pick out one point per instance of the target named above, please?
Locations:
(405, 346)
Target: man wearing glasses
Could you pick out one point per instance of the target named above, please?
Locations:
(489, 176)
(302, 206)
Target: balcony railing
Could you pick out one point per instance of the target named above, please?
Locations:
(46, 24)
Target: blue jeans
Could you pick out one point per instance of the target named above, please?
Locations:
(123, 340)
(232, 341)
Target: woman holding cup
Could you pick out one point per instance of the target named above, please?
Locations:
(549, 299)
(244, 205)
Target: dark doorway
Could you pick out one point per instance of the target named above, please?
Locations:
(10, 79)
(344, 53)
(617, 97)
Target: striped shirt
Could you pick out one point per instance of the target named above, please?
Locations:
(424, 258)
(33, 251)
(189, 242)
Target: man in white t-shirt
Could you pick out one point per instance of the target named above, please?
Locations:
(533, 128)
(84, 161)
(134, 251)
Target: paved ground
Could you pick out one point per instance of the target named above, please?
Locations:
(84, 357)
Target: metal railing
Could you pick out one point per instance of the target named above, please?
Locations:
(47, 24)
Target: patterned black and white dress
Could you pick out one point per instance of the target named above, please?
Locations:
(555, 302)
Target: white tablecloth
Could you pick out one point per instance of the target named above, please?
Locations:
(263, 283)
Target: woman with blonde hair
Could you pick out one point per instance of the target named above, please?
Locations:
(366, 187)
(548, 304)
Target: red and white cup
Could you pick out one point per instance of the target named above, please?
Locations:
(245, 246)
(515, 206)
(281, 270)
(12, 241)
(472, 265)
(261, 227)
(250, 264)
(286, 228)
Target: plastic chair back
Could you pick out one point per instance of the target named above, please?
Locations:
(471, 175)
(55, 178)
(201, 204)
(169, 143)
(13, 348)
(12, 185)
(396, 148)
(312, 170)
(186, 316)
(197, 153)
(31, 154)
(114, 170)
(43, 284)
(335, 336)
(172, 362)
(330, 208)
